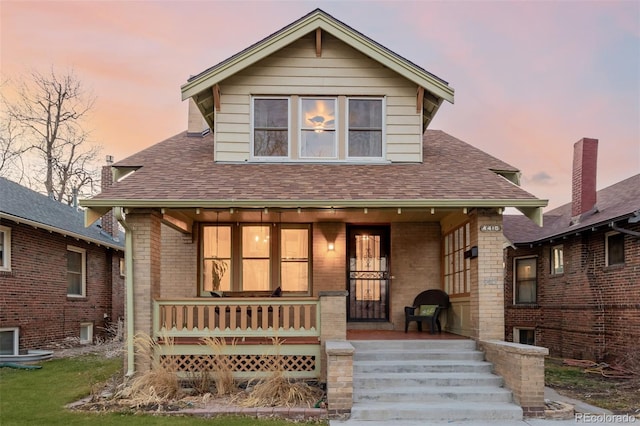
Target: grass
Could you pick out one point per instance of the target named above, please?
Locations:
(38, 397)
(618, 395)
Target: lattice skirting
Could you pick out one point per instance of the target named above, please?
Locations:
(299, 361)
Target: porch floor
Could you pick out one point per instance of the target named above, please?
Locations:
(400, 335)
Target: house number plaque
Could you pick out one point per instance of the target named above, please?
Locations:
(490, 228)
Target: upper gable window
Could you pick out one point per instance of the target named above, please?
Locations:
(364, 135)
(318, 128)
(271, 127)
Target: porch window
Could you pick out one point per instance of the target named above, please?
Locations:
(364, 128)
(614, 248)
(318, 128)
(216, 258)
(9, 338)
(557, 260)
(525, 280)
(255, 257)
(5, 248)
(457, 269)
(76, 272)
(525, 336)
(270, 127)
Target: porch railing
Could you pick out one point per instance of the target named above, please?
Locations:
(246, 322)
(237, 317)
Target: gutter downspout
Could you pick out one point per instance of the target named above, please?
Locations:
(128, 280)
(624, 231)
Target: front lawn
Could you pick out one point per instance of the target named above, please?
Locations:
(38, 397)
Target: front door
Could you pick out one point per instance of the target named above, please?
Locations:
(368, 273)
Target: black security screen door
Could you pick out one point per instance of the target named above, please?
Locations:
(368, 273)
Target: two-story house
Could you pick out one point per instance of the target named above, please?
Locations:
(308, 172)
(573, 286)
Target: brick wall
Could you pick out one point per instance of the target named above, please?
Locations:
(179, 266)
(33, 296)
(591, 311)
(329, 267)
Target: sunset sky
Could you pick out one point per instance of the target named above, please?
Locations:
(530, 77)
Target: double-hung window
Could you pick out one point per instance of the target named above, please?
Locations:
(364, 132)
(271, 127)
(256, 257)
(614, 248)
(5, 248)
(318, 128)
(557, 260)
(525, 280)
(76, 272)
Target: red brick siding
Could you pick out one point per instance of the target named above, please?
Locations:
(591, 311)
(33, 296)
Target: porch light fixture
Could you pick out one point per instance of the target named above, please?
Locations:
(366, 210)
(299, 210)
(266, 210)
(433, 211)
(399, 210)
(464, 210)
(197, 211)
(231, 210)
(331, 246)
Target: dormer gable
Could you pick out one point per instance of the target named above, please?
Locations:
(317, 90)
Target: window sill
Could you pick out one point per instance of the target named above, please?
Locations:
(525, 305)
(76, 297)
(615, 267)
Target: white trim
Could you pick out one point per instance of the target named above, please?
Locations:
(606, 248)
(254, 157)
(383, 123)
(89, 327)
(83, 253)
(6, 249)
(16, 339)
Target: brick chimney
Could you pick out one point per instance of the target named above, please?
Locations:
(583, 192)
(108, 221)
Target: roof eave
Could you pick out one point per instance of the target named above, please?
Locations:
(298, 29)
(60, 231)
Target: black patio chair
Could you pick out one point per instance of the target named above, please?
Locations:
(427, 306)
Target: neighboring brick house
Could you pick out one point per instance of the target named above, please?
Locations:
(58, 278)
(573, 286)
(318, 182)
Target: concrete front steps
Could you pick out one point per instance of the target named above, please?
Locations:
(426, 381)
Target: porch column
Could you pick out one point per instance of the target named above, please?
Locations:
(487, 283)
(333, 322)
(145, 233)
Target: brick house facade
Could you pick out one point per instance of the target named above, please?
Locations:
(587, 296)
(39, 237)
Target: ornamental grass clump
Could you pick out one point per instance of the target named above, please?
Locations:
(221, 365)
(277, 390)
(160, 383)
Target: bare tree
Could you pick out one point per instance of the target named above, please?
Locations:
(49, 109)
(10, 153)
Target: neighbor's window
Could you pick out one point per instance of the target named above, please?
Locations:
(614, 248)
(270, 127)
(364, 137)
(256, 257)
(9, 338)
(526, 336)
(76, 271)
(318, 128)
(557, 260)
(86, 333)
(457, 269)
(5, 248)
(525, 280)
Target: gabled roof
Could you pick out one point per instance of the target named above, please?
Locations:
(180, 172)
(22, 205)
(615, 203)
(202, 83)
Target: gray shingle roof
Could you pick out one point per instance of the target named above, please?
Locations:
(26, 205)
(182, 168)
(616, 202)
